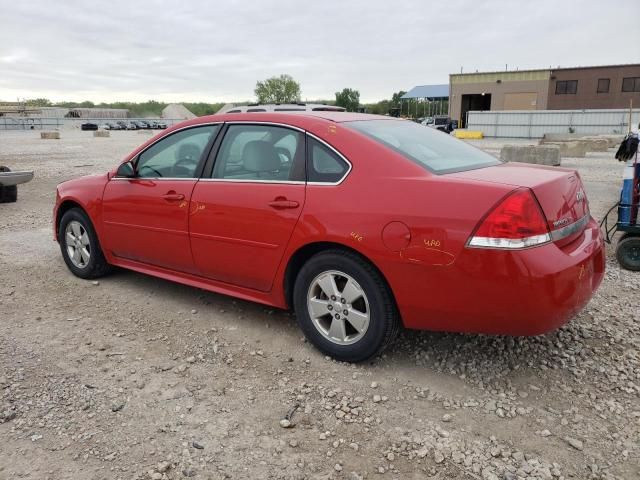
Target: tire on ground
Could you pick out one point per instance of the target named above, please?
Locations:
(384, 320)
(97, 265)
(8, 194)
(628, 252)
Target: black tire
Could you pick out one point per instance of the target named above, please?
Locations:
(8, 194)
(384, 321)
(628, 252)
(96, 266)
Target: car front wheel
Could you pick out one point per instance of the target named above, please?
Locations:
(79, 245)
(344, 306)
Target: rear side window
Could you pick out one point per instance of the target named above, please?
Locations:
(436, 151)
(323, 164)
(260, 153)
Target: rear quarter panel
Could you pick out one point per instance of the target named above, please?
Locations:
(440, 213)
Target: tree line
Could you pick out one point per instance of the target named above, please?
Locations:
(279, 89)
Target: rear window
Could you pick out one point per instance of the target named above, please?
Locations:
(436, 151)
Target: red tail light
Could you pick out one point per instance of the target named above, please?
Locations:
(517, 222)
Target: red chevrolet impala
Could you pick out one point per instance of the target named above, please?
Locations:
(360, 223)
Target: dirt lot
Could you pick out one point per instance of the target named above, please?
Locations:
(133, 377)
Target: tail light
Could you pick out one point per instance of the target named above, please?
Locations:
(517, 222)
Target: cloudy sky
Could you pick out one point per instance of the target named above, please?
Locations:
(199, 50)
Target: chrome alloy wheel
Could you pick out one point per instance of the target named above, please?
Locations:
(77, 243)
(338, 307)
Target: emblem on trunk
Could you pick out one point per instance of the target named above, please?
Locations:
(580, 195)
(561, 222)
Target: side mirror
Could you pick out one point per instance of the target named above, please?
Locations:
(126, 170)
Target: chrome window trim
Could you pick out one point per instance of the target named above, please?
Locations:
(346, 174)
(569, 230)
(241, 180)
(168, 134)
(259, 122)
(233, 180)
(155, 179)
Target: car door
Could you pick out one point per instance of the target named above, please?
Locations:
(146, 217)
(243, 215)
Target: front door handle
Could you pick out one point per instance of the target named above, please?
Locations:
(281, 202)
(173, 196)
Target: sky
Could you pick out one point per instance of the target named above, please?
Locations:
(215, 51)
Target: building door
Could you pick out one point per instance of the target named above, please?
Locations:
(473, 103)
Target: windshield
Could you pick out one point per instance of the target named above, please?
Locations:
(436, 151)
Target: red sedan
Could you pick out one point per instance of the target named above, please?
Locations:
(360, 223)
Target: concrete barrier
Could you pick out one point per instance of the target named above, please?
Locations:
(536, 154)
(596, 144)
(102, 133)
(50, 135)
(599, 140)
(468, 134)
(575, 149)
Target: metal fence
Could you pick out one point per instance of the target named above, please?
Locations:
(535, 123)
(53, 123)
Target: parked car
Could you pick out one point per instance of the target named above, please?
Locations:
(131, 126)
(89, 126)
(362, 224)
(161, 125)
(122, 124)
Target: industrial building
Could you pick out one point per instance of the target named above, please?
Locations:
(598, 87)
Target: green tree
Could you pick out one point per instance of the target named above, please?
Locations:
(282, 89)
(38, 102)
(349, 99)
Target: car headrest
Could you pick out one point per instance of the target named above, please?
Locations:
(188, 152)
(260, 156)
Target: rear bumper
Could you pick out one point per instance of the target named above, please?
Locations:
(524, 292)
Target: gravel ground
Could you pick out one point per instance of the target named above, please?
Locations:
(133, 377)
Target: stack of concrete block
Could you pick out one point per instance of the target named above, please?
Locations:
(535, 154)
(101, 133)
(588, 143)
(570, 149)
(50, 135)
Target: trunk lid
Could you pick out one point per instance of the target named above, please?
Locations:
(559, 191)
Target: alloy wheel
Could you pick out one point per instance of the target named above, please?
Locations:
(338, 307)
(77, 243)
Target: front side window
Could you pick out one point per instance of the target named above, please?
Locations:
(434, 150)
(177, 155)
(566, 87)
(260, 153)
(323, 164)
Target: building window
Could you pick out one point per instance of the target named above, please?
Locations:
(567, 87)
(631, 84)
(603, 85)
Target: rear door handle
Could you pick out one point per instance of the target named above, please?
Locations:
(280, 203)
(173, 196)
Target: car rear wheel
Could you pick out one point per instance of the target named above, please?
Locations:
(80, 247)
(344, 306)
(628, 253)
(8, 194)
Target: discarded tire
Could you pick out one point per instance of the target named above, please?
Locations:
(628, 253)
(8, 194)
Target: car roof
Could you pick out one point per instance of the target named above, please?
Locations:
(294, 117)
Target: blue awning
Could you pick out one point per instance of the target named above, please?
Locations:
(428, 91)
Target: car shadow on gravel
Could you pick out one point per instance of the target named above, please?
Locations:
(475, 357)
